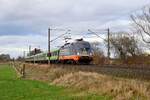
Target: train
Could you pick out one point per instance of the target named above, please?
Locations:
(77, 52)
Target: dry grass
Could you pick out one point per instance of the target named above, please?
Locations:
(118, 88)
(139, 60)
(44, 72)
(136, 60)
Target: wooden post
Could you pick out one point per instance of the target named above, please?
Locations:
(49, 46)
(23, 71)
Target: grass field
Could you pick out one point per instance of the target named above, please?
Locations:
(118, 88)
(13, 88)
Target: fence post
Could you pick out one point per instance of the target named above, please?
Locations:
(23, 71)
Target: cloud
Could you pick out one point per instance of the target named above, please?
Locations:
(35, 16)
(24, 22)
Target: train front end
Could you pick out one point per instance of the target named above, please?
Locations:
(78, 52)
(83, 51)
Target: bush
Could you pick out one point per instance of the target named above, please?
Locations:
(99, 58)
(141, 59)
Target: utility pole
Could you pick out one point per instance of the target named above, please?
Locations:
(29, 50)
(24, 54)
(108, 40)
(49, 46)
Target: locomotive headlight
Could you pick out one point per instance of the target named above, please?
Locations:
(90, 54)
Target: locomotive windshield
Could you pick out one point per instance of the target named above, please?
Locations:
(82, 48)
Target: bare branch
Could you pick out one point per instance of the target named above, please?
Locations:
(144, 38)
(141, 26)
(144, 28)
(147, 17)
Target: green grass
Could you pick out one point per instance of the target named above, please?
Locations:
(13, 88)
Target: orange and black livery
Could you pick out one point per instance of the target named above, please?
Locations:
(76, 52)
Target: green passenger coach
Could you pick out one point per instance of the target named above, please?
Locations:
(43, 57)
(54, 56)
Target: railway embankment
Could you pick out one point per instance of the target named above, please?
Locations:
(124, 71)
(94, 79)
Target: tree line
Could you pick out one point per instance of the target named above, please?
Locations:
(128, 46)
(5, 57)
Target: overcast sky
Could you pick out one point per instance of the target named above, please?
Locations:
(25, 22)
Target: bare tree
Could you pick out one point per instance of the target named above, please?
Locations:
(124, 45)
(142, 23)
(5, 57)
(19, 58)
(98, 54)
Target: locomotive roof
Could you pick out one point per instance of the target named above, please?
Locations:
(78, 41)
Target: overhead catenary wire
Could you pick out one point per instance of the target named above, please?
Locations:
(96, 34)
(58, 29)
(128, 13)
(97, 31)
(60, 36)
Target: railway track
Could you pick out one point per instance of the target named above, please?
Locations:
(125, 71)
(138, 72)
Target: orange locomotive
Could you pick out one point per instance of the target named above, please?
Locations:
(78, 52)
